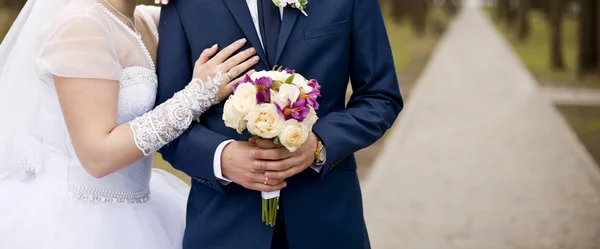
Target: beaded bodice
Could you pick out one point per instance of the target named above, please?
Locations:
(136, 97)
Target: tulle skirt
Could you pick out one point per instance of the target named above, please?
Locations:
(33, 216)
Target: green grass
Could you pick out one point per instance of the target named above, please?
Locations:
(586, 123)
(535, 52)
(406, 46)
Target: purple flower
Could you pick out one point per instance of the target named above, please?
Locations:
(246, 79)
(263, 90)
(310, 98)
(297, 111)
(289, 71)
(314, 84)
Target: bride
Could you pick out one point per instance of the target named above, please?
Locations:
(77, 91)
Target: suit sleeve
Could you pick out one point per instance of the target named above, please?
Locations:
(376, 100)
(193, 151)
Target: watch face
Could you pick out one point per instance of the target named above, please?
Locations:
(323, 155)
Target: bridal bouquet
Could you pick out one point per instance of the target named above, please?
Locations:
(279, 105)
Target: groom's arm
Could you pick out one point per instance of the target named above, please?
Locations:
(193, 151)
(376, 99)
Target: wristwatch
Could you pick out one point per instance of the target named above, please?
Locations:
(320, 154)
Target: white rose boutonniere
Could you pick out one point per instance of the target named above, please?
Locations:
(298, 4)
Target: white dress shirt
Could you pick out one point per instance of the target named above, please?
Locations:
(253, 7)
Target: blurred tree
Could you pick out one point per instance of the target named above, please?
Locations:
(598, 36)
(555, 20)
(451, 7)
(501, 9)
(506, 12)
(523, 20)
(399, 9)
(418, 12)
(588, 37)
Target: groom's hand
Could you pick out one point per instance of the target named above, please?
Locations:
(237, 165)
(280, 164)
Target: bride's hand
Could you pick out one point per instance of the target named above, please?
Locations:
(230, 66)
(163, 2)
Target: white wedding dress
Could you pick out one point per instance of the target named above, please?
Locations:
(50, 201)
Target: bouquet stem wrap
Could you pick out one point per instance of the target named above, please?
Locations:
(270, 204)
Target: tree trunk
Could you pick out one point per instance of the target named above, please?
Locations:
(451, 7)
(555, 20)
(399, 9)
(501, 8)
(524, 26)
(511, 12)
(419, 16)
(588, 46)
(598, 37)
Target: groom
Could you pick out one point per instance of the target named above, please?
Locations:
(320, 204)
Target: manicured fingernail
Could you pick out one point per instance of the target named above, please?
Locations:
(284, 184)
(165, 2)
(257, 165)
(214, 46)
(256, 58)
(253, 154)
(252, 50)
(243, 40)
(156, 1)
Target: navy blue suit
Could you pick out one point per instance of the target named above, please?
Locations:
(339, 40)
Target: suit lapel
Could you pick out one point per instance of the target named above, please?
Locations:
(239, 10)
(290, 15)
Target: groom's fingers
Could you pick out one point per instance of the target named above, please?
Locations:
(277, 166)
(271, 154)
(260, 178)
(266, 143)
(285, 174)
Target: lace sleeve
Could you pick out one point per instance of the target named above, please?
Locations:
(169, 120)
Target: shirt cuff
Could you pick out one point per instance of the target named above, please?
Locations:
(217, 163)
(316, 168)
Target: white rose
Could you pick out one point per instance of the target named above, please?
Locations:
(293, 135)
(244, 98)
(302, 83)
(286, 92)
(274, 75)
(232, 118)
(310, 119)
(264, 121)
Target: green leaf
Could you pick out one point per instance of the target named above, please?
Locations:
(290, 79)
(276, 141)
(278, 3)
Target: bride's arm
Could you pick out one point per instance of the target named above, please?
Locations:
(89, 107)
(152, 11)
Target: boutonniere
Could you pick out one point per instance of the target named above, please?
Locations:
(298, 4)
